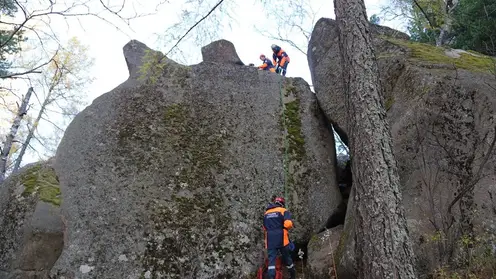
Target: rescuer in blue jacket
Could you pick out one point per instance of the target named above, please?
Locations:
(277, 222)
(280, 59)
(267, 64)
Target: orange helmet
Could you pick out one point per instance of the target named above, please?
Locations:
(280, 201)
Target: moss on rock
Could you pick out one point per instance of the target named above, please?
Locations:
(153, 66)
(176, 236)
(292, 123)
(43, 181)
(199, 147)
(389, 102)
(293, 140)
(472, 61)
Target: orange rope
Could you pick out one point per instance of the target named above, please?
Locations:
(332, 256)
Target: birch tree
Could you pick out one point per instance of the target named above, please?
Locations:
(430, 20)
(36, 19)
(383, 248)
(11, 136)
(60, 99)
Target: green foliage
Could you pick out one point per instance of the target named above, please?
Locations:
(8, 7)
(10, 38)
(152, 67)
(425, 18)
(473, 61)
(419, 32)
(476, 257)
(474, 23)
(475, 26)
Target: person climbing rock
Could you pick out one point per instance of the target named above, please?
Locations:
(267, 64)
(280, 59)
(277, 222)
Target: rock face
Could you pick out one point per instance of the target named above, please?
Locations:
(168, 177)
(31, 227)
(441, 111)
(320, 262)
(221, 51)
(324, 61)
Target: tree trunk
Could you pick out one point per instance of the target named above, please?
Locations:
(13, 132)
(445, 31)
(30, 135)
(447, 26)
(383, 249)
(48, 100)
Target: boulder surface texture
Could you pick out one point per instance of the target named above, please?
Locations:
(441, 109)
(31, 226)
(168, 175)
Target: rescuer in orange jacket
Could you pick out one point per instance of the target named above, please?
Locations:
(280, 58)
(277, 222)
(267, 64)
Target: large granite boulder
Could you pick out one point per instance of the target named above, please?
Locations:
(321, 250)
(31, 227)
(221, 51)
(440, 105)
(167, 176)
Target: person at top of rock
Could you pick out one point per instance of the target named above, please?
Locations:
(280, 59)
(277, 222)
(267, 64)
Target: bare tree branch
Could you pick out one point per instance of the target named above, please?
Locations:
(281, 38)
(12, 134)
(424, 13)
(477, 176)
(194, 25)
(54, 125)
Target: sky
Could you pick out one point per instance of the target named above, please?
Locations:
(105, 41)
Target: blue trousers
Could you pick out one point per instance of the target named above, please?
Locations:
(284, 67)
(286, 258)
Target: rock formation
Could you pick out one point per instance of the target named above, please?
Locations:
(31, 226)
(320, 260)
(167, 175)
(441, 111)
(221, 51)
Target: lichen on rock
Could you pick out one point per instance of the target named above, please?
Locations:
(31, 227)
(176, 172)
(440, 108)
(42, 181)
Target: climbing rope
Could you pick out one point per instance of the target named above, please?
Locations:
(285, 161)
